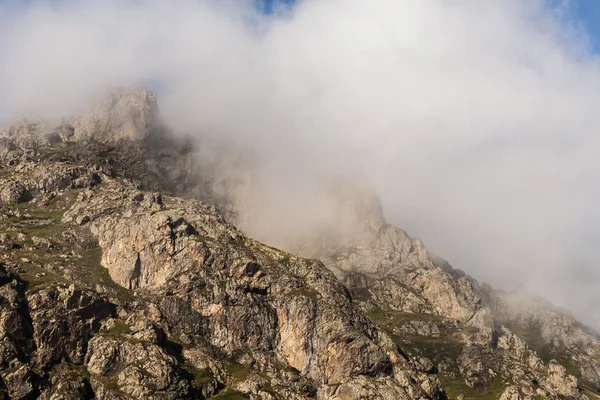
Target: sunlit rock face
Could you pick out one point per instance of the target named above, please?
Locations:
(128, 270)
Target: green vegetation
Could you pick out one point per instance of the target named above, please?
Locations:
(198, 378)
(91, 257)
(111, 384)
(57, 151)
(571, 368)
(80, 370)
(532, 334)
(238, 372)
(230, 394)
(269, 389)
(389, 319)
(99, 275)
(273, 248)
(455, 388)
(46, 228)
(307, 292)
(43, 221)
(120, 328)
(434, 348)
(33, 213)
(37, 278)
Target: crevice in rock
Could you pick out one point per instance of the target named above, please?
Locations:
(134, 281)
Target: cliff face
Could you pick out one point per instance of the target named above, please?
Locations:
(460, 328)
(111, 287)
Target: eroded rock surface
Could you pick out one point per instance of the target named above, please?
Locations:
(113, 291)
(112, 287)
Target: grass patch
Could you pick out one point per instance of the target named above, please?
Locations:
(119, 328)
(99, 275)
(112, 384)
(269, 389)
(42, 228)
(198, 378)
(42, 256)
(455, 388)
(41, 222)
(433, 348)
(91, 257)
(37, 278)
(389, 319)
(469, 329)
(80, 370)
(307, 292)
(571, 368)
(531, 332)
(230, 394)
(64, 200)
(36, 212)
(238, 372)
(57, 151)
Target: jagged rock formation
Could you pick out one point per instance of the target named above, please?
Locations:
(553, 333)
(112, 287)
(480, 342)
(187, 307)
(446, 320)
(118, 115)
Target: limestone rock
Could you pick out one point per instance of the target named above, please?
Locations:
(112, 287)
(119, 114)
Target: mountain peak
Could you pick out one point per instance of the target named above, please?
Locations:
(123, 113)
(124, 275)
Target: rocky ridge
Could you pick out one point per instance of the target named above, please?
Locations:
(112, 287)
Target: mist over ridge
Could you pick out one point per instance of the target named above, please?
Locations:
(474, 123)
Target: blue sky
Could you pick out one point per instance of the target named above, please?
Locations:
(267, 6)
(587, 13)
(583, 12)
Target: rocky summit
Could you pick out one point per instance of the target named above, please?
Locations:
(123, 276)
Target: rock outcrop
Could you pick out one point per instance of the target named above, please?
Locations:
(113, 287)
(128, 293)
(472, 336)
(126, 114)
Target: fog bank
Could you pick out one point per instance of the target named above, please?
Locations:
(473, 121)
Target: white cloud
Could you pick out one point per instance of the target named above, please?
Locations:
(475, 120)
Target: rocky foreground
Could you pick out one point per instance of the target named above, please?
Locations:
(112, 287)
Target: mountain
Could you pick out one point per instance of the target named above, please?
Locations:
(123, 276)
